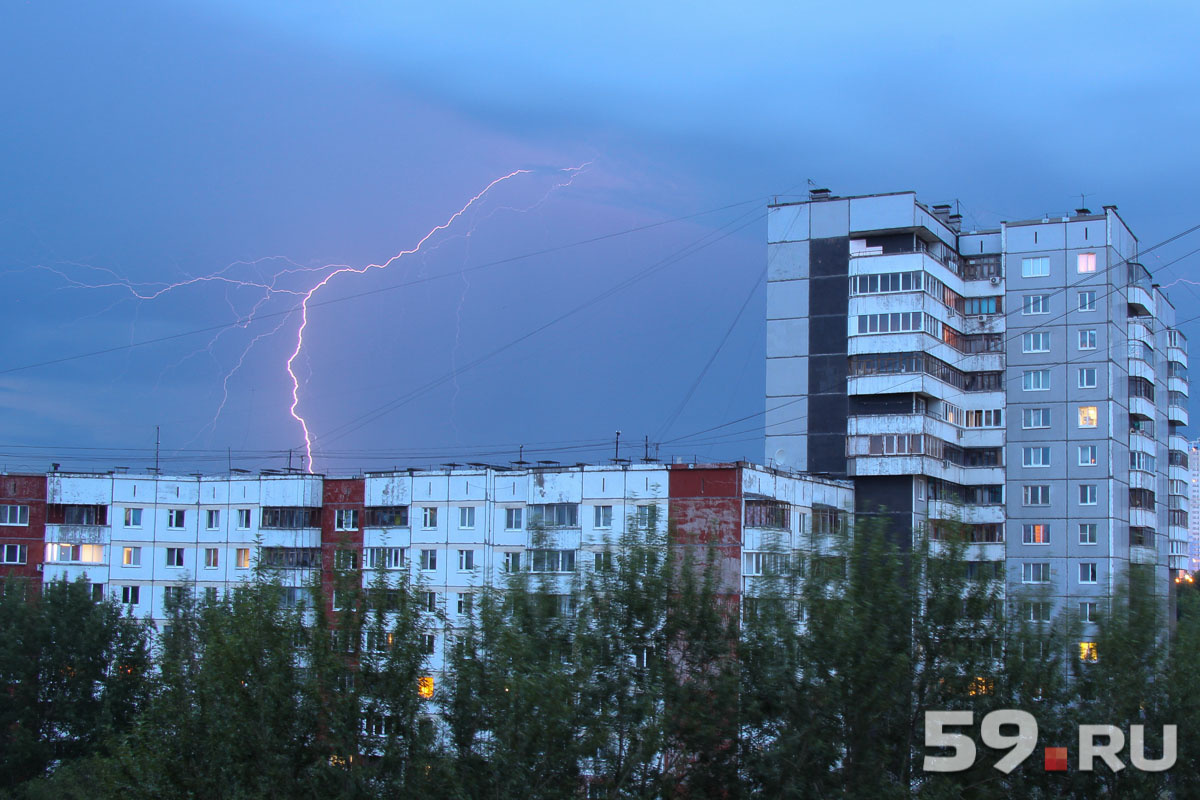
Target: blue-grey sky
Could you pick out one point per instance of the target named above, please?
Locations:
(153, 143)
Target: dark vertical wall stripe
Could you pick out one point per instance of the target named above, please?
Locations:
(829, 303)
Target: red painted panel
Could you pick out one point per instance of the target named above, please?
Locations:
(25, 490)
(339, 493)
(706, 512)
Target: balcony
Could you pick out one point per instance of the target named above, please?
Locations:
(1141, 407)
(1177, 385)
(1139, 291)
(1177, 442)
(1175, 413)
(1139, 332)
(969, 514)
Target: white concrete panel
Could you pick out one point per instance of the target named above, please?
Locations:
(78, 490)
(178, 492)
(787, 299)
(214, 492)
(975, 244)
(791, 420)
(389, 490)
(556, 487)
(428, 487)
(787, 337)
(787, 261)
(787, 223)
(788, 452)
(829, 218)
(787, 376)
(291, 490)
(245, 491)
(468, 487)
(880, 213)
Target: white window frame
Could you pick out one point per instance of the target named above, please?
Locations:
(212, 519)
(1034, 304)
(466, 560)
(1085, 263)
(512, 561)
(242, 557)
(1088, 533)
(243, 519)
(1088, 572)
(1087, 339)
(14, 515)
(1035, 267)
(131, 595)
(1029, 533)
(1088, 611)
(133, 517)
(345, 519)
(466, 518)
(1035, 456)
(131, 556)
(602, 517)
(1031, 493)
(514, 519)
(1084, 374)
(11, 553)
(428, 561)
(1036, 380)
(176, 551)
(429, 517)
(1035, 342)
(1088, 455)
(1087, 300)
(212, 558)
(1095, 416)
(1089, 494)
(176, 519)
(1035, 572)
(1028, 418)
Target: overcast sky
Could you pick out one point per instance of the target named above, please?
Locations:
(150, 144)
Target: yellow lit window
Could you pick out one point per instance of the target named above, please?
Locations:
(1088, 418)
(243, 557)
(980, 685)
(425, 686)
(1087, 651)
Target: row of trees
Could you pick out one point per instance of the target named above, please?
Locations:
(648, 681)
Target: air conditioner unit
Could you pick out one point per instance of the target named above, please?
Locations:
(995, 280)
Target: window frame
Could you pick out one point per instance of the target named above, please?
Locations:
(1086, 339)
(1085, 372)
(1089, 533)
(1035, 267)
(176, 519)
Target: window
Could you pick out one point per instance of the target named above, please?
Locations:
(645, 517)
(1087, 339)
(212, 519)
(555, 515)
(1087, 494)
(75, 553)
(345, 519)
(176, 518)
(133, 518)
(174, 556)
(243, 558)
(212, 558)
(1036, 342)
(512, 519)
(604, 561)
(429, 601)
(1035, 380)
(1087, 300)
(1088, 455)
(243, 521)
(425, 687)
(466, 560)
(983, 418)
(131, 595)
(1037, 611)
(1035, 495)
(603, 516)
(1035, 418)
(428, 560)
(14, 515)
(764, 563)
(1087, 377)
(1087, 572)
(1035, 456)
(981, 306)
(291, 517)
(1085, 262)
(1088, 651)
(512, 561)
(1035, 572)
(131, 557)
(466, 517)
(385, 557)
(386, 517)
(1088, 418)
(466, 601)
(429, 517)
(1088, 612)
(345, 559)
(895, 322)
(1038, 533)
(1142, 461)
(1087, 533)
(173, 594)
(1036, 304)
(1037, 267)
(552, 560)
(210, 594)
(14, 554)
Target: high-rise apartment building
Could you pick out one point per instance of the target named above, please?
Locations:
(1194, 506)
(1026, 381)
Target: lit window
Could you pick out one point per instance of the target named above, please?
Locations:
(1037, 267)
(345, 519)
(512, 519)
(1088, 651)
(1088, 455)
(1035, 456)
(1087, 494)
(1087, 377)
(1087, 533)
(603, 516)
(466, 517)
(1035, 534)
(425, 687)
(243, 522)
(212, 557)
(131, 557)
(466, 560)
(1035, 380)
(1087, 572)
(213, 519)
(1087, 300)
(243, 558)
(75, 553)
(429, 517)
(174, 556)
(133, 518)
(176, 517)
(1086, 262)
(1087, 339)
(1036, 342)
(1088, 418)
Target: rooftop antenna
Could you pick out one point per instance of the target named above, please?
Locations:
(157, 442)
(289, 459)
(617, 446)
(646, 451)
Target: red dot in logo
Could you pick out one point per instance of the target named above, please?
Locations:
(1056, 759)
